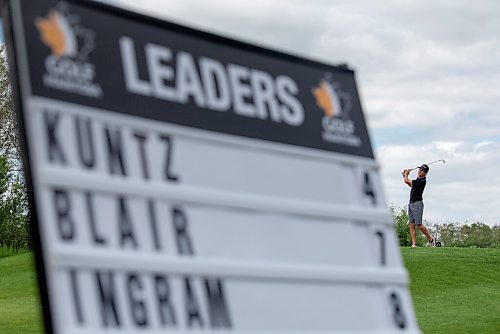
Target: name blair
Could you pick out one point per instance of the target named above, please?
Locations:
(210, 84)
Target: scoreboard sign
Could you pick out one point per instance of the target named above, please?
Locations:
(183, 182)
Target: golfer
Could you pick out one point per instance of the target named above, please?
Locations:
(416, 205)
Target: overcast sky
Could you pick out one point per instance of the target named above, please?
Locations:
(428, 73)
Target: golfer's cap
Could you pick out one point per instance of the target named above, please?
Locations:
(424, 167)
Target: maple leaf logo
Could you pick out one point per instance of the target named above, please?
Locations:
(63, 34)
(56, 33)
(323, 98)
(331, 99)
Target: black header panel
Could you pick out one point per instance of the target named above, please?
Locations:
(96, 55)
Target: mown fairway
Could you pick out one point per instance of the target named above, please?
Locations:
(19, 301)
(455, 290)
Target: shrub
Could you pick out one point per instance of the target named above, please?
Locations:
(14, 227)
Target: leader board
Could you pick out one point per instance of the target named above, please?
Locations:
(184, 182)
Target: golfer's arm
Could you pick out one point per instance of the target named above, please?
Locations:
(407, 180)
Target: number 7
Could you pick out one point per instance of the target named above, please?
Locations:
(380, 234)
(368, 188)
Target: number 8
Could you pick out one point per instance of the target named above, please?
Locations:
(398, 316)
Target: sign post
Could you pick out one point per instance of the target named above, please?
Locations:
(185, 182)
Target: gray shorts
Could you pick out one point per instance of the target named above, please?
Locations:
(415, 212)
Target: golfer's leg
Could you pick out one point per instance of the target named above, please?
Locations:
(425, 231)
(413, 234)
(411, 220)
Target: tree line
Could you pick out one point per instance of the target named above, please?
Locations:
(454, 234)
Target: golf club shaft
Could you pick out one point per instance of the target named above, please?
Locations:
(429, 163)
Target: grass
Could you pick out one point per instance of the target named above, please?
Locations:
(20, 310)
(454, 290)
(6, 251)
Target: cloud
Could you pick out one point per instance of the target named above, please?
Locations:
(279, 24)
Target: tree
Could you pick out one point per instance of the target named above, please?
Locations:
(464, 235)
(449, 234)
(14, 228)
(480, 235)
(14, 210)
(495, 232)
(9, 143)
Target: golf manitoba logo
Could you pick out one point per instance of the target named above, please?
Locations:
(336, 104)
(67, 67)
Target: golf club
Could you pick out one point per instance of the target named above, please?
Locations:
(429, 163)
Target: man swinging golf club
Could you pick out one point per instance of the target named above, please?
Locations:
(416, 205)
